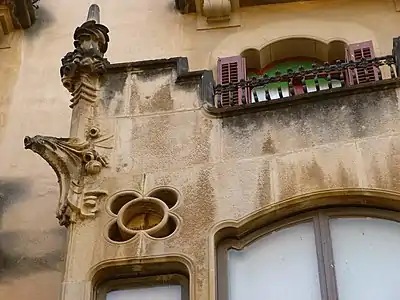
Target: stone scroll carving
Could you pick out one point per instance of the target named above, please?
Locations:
(73, 160)
(81, 68)
(217, 10)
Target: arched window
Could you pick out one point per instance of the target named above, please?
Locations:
(327, 254)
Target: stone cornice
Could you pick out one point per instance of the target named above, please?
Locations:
(180, 64)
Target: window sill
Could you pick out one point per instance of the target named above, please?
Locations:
(220, 112)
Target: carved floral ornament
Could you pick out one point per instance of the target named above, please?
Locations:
(72, 160)
(150, 214)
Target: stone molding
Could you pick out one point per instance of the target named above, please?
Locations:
(73, 160)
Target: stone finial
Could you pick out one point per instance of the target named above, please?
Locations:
(94, 13)
(91, 43)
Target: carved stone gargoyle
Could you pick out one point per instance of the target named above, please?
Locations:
(71, 159)
(91, 43)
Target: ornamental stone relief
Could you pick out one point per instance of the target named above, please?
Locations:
(73, 159)
(151, 214)
(82, 67)
(78, 159)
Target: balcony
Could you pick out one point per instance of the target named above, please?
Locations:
(308, 83)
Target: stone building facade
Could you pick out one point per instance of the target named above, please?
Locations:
(224, 160)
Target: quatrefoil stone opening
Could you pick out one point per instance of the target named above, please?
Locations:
(149, 214)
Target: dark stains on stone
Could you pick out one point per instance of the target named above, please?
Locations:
(112, 84)
(160, 101)
(16, 246)
(344, 178)
(134, 97)
(152, 74)
(368, 112)
(379, 180)
(240, 125)
(11, 191)
(44, 19)
(264, 185)
(268, 146)
(14, 263)
(316, 123)
(313, 174)
(201, 141)
(198, 217)
(393, 166)
(287, 180)
(157, 143)
(357, 121)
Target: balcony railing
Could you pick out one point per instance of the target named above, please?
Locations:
(306, 81)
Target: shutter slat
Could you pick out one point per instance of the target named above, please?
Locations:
(357, 52)
(231, 69)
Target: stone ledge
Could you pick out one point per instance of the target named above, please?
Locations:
(180, 64)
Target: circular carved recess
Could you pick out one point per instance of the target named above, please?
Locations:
(168, 229)
(114, 233)
(88, 156)
(117, 201)
(168, 195)
(145, 214)
(94, 132)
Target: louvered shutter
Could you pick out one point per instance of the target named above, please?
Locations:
(232, 69)
(356, 52)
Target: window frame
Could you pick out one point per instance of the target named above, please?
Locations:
(323, 242)
(143, 282)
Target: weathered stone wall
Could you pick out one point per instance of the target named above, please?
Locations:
(224, 168)
(234, 165)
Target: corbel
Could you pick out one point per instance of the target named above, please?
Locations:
(73, 160)
(217, 14)
(217, 10)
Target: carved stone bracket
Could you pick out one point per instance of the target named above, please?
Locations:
(81, 67)
(217, 10)
(72, 160)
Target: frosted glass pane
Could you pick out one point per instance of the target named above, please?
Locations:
(367, 260)
(171, 292)
(282, 265)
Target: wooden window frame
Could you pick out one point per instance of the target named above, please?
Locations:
(143, 282)
(320, 219)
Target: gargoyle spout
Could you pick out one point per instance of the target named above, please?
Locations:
(47, 148)
(71, 159)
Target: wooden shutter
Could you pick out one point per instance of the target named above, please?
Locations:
(232, 69)
(356, 52)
